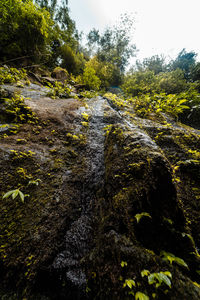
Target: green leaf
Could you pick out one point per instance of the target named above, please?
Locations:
(169, 274)
(164, 278)
(141, 296)
(151, 278)
(6, 195)
(129, 282)
(131, 293)
(172, 258)
(139, 216)
(123, 264)
(21, 196)
(154, 295)
(181, 262)
(15, 194)
(145, 273)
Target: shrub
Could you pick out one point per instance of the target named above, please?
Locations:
(90, 79)
(11, 75)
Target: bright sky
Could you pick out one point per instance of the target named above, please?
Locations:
(161, 26)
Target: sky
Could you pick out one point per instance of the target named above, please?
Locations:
(161, 26)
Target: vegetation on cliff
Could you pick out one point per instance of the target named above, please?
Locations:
(99, 182)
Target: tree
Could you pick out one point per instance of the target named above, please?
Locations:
(59, 11)
(172, 82)
(184, 61)
(25, 29)
(114, 44)
(154, 63)
(195, 72)
(65, 37)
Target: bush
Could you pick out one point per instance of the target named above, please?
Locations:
(172, 104)
(139, 82)
(172, 82)
(11, 75)
(104, 70)
(90, 79)
(144, 82)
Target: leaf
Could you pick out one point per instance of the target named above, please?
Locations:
(6, 195)
(198, 272)
(141, 296)
(131, 293)
(151, 278)
(169, 274)
(15, 194)
(182, 101)
(181, 262)
(172, 258)
(21, 196)
(145, 273)
(129, 282)
(123, 264)
(139, 216)
(164, 278)
(154, 295)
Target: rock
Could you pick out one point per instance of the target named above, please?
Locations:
(60, 74)
(105, 195)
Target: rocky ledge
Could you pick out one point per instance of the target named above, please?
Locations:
(109, 205)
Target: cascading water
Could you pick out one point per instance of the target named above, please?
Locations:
(78, 237)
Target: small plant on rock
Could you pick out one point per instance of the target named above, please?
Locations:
(14, 194)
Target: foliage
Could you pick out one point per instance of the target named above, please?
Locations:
(141, 296)
(89, 78)
(157, 103)
(73, 62)
(195, 72)
(104, 70)
(143, 214)
(158, 278)
(59, 90)
(14, 194)
(114, 45)
(123, 264)
(118, 100)
(146, 104)
(137, 83)
(193, 98)
(88, 94)
(154, 63)
(34, 182)
(11, 75)
(129, 283)
(25, 29)
(184, 61)
(18, 111)
(59, 12)
(143, 82)
(171, 82)
(172, 258)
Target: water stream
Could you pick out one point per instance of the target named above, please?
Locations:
(77, 238)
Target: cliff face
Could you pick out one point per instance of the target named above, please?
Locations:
(107, 196)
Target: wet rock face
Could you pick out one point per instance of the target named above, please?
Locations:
(105, 194)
